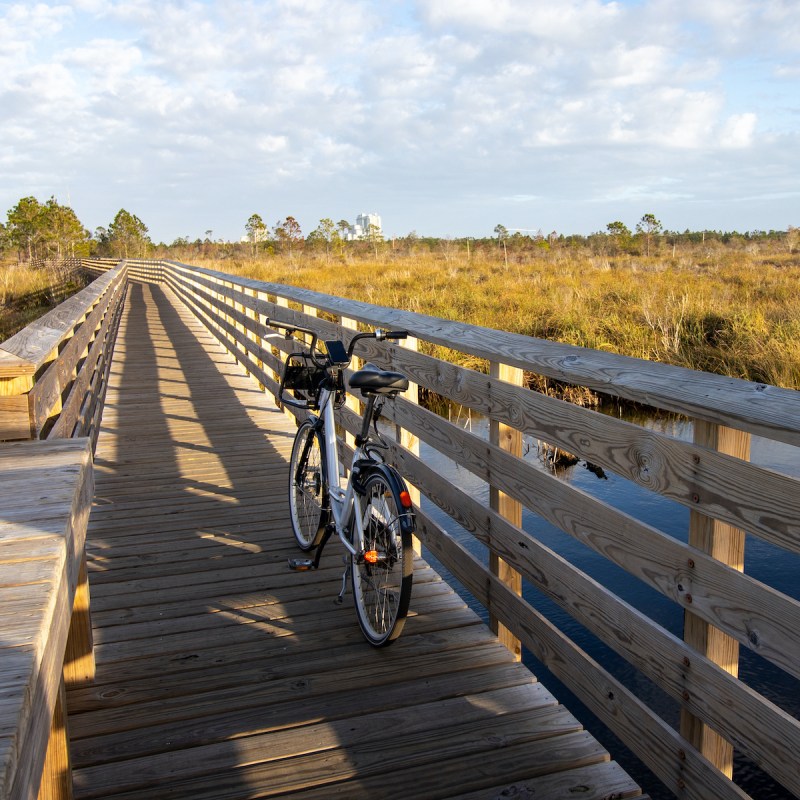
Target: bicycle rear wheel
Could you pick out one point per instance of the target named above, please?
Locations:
(382, 575)
(308, 490)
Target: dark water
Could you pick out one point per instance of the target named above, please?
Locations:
(773, 566)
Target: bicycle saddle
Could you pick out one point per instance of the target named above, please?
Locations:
(371, 379)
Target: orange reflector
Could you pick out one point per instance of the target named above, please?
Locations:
(405, 499)
(371, 556)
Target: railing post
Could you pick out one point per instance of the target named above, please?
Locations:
(406, 438)
(509, 439)
(79, 662)
(726, 544)
(16, 381)
(281, 302)
(242, 326)
(56, 782)
(257, 339)
(17, 422)
(351, 401)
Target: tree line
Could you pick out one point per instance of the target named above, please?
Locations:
(53, 231)
(50, 230)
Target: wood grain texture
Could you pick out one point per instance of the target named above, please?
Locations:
(762, 730)
(45, 495)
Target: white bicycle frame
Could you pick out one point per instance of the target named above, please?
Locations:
(343, 501)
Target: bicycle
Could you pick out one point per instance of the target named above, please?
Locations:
(372, 514)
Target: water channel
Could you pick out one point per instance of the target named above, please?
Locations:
(774, 566)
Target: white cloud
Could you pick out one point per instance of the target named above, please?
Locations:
(567, 20)
(444, 102)
(738, 131)
(273, 144)
(636, 66)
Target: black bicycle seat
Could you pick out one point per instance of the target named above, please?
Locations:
(374, 380)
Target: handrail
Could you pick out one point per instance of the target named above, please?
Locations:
(52, 373)
(754, 407)
(53, 378)
(711, 476)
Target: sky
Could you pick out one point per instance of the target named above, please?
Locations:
(445, 117)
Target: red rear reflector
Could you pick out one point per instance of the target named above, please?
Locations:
(371, 556)
(405, 499)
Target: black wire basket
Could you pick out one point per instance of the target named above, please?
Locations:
(304, 379)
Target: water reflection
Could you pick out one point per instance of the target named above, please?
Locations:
(763, 562)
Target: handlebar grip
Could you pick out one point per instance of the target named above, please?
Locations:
(396, 334)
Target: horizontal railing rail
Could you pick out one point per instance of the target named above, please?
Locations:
(53, 372)
(712, 476)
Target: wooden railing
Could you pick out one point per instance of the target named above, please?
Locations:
(53, 377)
(724, 608)
(53, 372)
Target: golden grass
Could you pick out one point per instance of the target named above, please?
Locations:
(27, 293)
(17, 280)
(733, 313)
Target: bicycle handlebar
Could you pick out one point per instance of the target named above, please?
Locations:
(334, 356)
(379, 334)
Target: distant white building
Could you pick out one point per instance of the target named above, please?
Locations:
(361, 229)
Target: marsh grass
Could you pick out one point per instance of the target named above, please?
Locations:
(735, 314)
(732, 312)
(26, 293)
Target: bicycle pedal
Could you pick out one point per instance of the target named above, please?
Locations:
(301, 564)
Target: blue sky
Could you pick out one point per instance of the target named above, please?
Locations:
(446, 117)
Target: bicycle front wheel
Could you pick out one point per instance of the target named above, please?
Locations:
(308, 491)
(383, 572)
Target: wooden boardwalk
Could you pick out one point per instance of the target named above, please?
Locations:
(220, 674)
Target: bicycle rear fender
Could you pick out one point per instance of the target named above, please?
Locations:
(365, 468)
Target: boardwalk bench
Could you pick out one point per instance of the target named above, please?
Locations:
(46, 490)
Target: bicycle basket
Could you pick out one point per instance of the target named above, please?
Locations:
(303, 378)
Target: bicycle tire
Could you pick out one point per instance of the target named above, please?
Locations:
(308, 488)
(382, 590)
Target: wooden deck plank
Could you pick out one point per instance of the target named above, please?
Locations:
(220, 674)
(44, 505)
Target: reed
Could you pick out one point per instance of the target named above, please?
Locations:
(27, 292)
(735, 314)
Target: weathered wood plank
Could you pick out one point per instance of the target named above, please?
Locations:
(216, 758)
(759, 500)
(14, 418)
(595, 782)
(687, 773)
(761, 729)
(36, 599)
(36, 341)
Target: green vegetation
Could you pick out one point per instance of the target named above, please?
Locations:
(44, 230)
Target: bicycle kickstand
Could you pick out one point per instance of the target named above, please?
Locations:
(347, 568)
